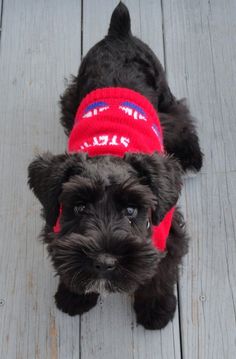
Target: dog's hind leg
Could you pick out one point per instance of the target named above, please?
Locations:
(180, 135)
(69, 103)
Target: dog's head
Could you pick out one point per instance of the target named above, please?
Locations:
(109, 205)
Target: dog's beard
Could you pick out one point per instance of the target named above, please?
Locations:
(101, 286)
(73, 256)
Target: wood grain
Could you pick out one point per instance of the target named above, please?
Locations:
(39, 47)
(200, 53)
(1, 15)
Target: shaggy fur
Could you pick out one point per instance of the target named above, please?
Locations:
(110, 203)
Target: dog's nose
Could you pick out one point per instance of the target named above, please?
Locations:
(104, 263)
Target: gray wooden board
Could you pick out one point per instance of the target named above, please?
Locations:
(0, 14)
(39, 47)
(200, 56)
(109, 330)
(208, 288)
(201, 50)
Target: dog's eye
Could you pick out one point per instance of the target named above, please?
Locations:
(79, 209)
(131, 212)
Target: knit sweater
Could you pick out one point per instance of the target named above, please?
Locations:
(114, 121)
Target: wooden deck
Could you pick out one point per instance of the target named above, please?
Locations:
(41, 43)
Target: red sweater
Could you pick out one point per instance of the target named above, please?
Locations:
(113, 121)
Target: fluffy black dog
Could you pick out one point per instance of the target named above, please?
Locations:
(110, 203)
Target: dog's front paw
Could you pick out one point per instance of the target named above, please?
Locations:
(72, 303)
(154, 313)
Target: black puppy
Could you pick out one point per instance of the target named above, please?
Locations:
(101, 210)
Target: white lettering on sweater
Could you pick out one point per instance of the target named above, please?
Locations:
(133, 113)
(105, 140)
(95, 111)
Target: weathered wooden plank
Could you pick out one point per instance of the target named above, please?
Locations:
(39, 46)
(151, 26)
(1, 13)
(96, 17)
(200, 53)
(110, 330)
(201, 48)
(208, 285)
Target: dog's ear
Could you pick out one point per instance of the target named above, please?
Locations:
(163, 175)
(47, 173)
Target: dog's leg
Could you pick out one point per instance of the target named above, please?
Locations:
(155, 302)
(72, 303)
(154, 305)
(180, 135)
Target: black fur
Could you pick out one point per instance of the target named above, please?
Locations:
(100, 246)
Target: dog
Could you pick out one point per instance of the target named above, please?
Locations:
(109, 202)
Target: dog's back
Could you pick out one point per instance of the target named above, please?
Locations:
(119, 60)
(122, 60)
